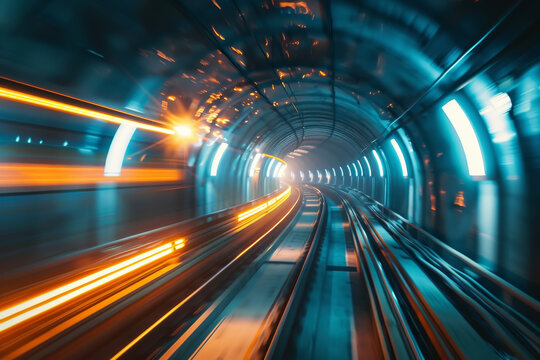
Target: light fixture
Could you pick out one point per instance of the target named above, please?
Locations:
(368, 167)
(400, 156)
(361, 168)
(467, 137)
(355, 169)
(217, 158)
(269, 168)
(117, 150)
(276, 169)
(376, 155)
(254, 164)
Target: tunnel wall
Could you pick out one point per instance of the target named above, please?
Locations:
(489, 217)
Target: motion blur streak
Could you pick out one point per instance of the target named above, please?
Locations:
(88, 312)
(275, 158)
(20, 175)
(179, 305)
(274, 201)
(72, 109)
(28, 309)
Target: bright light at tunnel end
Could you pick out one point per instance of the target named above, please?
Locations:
(467, 137)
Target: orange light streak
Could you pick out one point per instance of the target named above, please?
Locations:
(199, 289)
(276, 158)
(218, 34)
(37, 305)
(257, 209)
(77, 110)
(162, 55)
(19, 351)
(238, 51)
(21, 175)
(300, 6)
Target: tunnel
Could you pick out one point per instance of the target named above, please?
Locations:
(268, 179)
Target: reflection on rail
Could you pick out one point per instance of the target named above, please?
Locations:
(69, 306)
(270, 204)
(288, 263)
(211, 282)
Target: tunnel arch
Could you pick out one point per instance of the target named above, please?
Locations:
(336, 79)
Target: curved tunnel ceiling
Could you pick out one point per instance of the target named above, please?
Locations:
(325, 77)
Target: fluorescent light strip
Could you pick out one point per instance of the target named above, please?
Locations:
(400, 156)
(217, 158)
(334, 170)
(355, 169)
(117, 150)
(327, 176)
(72, 109)
(342, 173)
(361, 168)
(381, 173)
(319, 175)
(467, 137)
(350, 172)
(276, 170)
(269, 168)
(310, 175)
(254, 164)
(46, 301)
(282, 171)
(368, 167)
